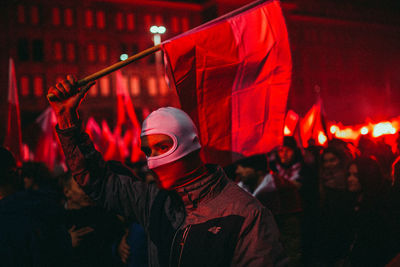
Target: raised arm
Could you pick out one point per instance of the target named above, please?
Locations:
(115, 190)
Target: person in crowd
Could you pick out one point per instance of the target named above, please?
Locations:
(93, 230)
(394, 204)
(194, 216)
(37, 176)
(32, 229)
(331, 243)
(251, 172)
(287, 179)
(371, 239)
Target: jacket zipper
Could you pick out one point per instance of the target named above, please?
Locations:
(182, 243)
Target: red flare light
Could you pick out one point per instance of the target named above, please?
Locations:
(383, 128)
(322, 138)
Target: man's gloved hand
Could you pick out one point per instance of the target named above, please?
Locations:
(65, 100)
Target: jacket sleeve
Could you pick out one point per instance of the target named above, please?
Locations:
(116, 191)
(258, 243)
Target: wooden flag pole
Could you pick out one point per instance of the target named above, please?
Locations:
(111, 68)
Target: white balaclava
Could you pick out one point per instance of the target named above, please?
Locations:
(176, 124)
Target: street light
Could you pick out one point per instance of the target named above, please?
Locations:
(157, 31)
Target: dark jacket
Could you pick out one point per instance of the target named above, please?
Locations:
(211, 222)
(32, 231)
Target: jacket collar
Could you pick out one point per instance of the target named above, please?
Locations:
(206, 187)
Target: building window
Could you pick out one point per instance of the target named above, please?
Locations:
(175, 24)
(185, 24)
(100, 19)
(89, 18)
(55, 16)
(102, 53)
(105, 86)
(91, 52)
(23, 49)
(58, 51)
(130, 21)
(68, 17)
(24, 85)
(152, 86)
(134, 83)
(147, 22)
(34, 15)
(119, 21)
(38, 86)
(21, 14)
(37, 49)
(94, 90)
(71, 52)
(164, 89)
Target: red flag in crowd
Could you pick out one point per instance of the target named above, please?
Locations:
(128, 127)
(313, 125)
(96, 135)
(111, 149)
(290, 123)
(13, 138)
(232, 76)
(48, 149)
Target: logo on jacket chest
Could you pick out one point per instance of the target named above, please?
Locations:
(215, 229)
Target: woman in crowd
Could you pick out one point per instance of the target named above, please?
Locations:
(371, 241)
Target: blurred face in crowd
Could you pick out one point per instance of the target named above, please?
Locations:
(353, 184)
(330, 160)
(28, 182)
(76, 197)
(246, 174)
(285, 154)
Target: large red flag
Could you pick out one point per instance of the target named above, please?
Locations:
(13, 138)
(48, 149)
(313, 125)
(232, 76)
(127, 131)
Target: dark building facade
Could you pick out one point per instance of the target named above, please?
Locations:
(347, 51)
(49, 39)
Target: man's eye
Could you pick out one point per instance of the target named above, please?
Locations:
(164, 148)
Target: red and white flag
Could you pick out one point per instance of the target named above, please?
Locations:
(127, 130)
(13, 138)
(232, 76)
(48, 150)
(96, 135)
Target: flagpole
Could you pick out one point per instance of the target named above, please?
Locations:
(112, 68)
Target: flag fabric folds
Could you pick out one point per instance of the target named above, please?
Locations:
(13, 137)
(127, 130)
(232, 76)
(313, 125)
(48, 149)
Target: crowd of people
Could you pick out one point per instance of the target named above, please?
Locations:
(336, 205)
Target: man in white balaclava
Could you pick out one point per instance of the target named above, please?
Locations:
(194, 215)
(171, 144)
